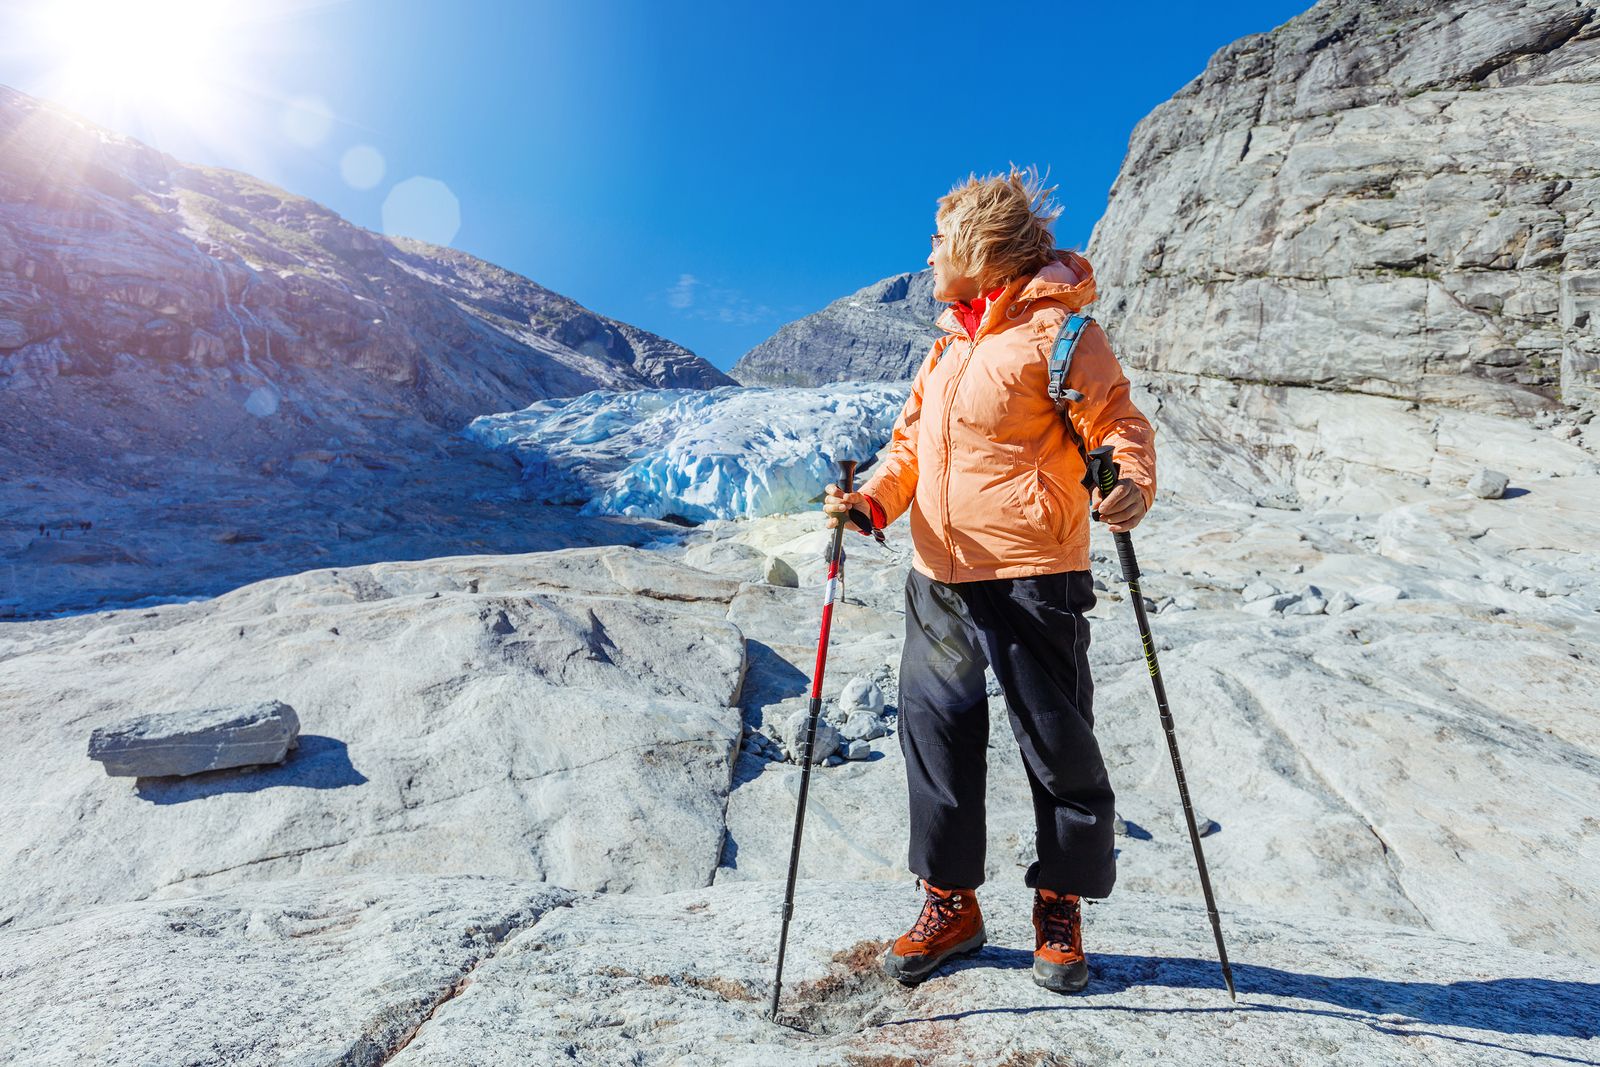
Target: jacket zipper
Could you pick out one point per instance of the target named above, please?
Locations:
(949, 542)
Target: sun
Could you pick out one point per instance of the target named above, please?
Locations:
(161, 55)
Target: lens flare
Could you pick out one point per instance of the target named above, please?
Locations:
(423, 208)
(361, 167)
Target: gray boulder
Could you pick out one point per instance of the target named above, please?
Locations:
(1488, 484)
(1272, 605)
(197, 739)
(732, 558)
(1313, 605)
(862, 726)
(1259, 589)
(794, 738)
(777, 572)
(445, 741)
(861, 693)
(1340, 603)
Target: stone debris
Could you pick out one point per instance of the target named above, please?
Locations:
(825, 744)
(1488, 484)
(778, 572)
(861, 693)
(195, 740)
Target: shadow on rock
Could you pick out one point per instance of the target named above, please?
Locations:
(1530, 1006)
(769, 677)
(1137, 832)
(317, 762)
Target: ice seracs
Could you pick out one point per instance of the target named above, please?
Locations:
(697, 454)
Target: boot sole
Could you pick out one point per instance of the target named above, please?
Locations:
(1061, 977)
(910, 970)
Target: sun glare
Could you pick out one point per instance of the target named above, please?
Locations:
(160, 55)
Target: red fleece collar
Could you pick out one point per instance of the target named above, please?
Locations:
(969, 314)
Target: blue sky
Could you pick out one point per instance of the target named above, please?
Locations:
(704, 171)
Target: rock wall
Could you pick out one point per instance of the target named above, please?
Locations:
(1393, 198)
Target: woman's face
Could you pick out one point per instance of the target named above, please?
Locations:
(950, 284)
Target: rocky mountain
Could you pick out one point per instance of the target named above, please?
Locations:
(113, 254)
(1392, 199)
(876, 334)
(204, 378)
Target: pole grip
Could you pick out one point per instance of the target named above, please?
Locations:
(1100, 473)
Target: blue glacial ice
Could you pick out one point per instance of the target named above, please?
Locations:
(730, 452)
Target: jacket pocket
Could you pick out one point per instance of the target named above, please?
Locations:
(1042, 504)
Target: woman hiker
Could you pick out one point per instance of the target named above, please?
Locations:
(992, 477)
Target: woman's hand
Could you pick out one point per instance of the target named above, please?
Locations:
(835, 504)
(1123, 508)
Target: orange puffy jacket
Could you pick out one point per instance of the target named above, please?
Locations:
(982, 457)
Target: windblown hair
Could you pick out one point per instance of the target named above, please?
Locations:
(998, 226)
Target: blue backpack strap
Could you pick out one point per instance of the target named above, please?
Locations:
(1061, 358)
(1060, 363)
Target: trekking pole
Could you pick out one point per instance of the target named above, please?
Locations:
(1102, 474)
(847, 476)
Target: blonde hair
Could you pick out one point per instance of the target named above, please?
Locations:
(998, 226)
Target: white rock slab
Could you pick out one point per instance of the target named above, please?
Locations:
(529, 728)
(310, 971)
(587, 986)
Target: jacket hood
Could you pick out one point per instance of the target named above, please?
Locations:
(1069, 280)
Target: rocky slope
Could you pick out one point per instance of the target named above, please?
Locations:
(880, 333)
(1393, 198)
(114, 255)
(521, 825)
(206, 380)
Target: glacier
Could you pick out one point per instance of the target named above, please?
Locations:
(695, 454)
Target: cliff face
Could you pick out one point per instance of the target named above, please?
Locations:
(1390, 197)
(877, 334)
(114, 255)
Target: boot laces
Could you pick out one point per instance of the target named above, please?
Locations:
(1060, 919)
(937, 913)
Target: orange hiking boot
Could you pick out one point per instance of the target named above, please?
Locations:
(950, 925)
(1058, 960)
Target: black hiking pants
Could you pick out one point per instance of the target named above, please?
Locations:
(1032, 631)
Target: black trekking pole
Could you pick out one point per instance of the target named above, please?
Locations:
(847, 476)
(1102, 474)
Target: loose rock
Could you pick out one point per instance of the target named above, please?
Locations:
(1488, 484)
(794, 738)
(197, 739)
(861, 693)
(777, 572)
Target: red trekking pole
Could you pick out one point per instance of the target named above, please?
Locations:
(847, 475)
